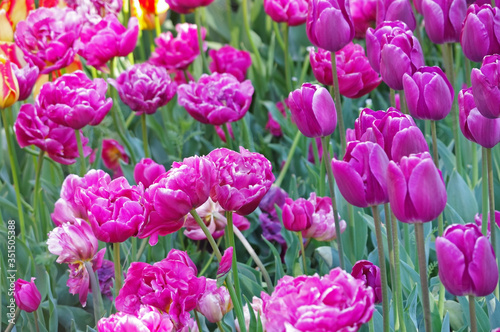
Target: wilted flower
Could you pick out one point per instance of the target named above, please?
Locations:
(370, 274)
(215, 302)
(291, 12)
(230, 60)
(187, 6)
(27, 295)
(147, 171)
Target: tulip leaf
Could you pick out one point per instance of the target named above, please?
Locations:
(481, 317)
(411, 305)
(461, 198)
(53, 313)
(447, 157)
(277, 261)
(493, 311)
(445, 326)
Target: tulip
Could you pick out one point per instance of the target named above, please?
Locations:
(27, 295)
(48, 37)
(6, 30)
(9, 86)
(443, 19)
(145, 88)
(329, 24)
(229, 104)
(361, 176)
(474, 126)
(370, 274)
(147, 318)
(215, 302)
(106, 276)
(146, 12)
(416, 189)
(230, 60)
(297, 215)
(466, 261)
(270, 223)
(291, 12)
(13, 53)
(94, 10)
(396, 10)
(147, 171)
(485, 88)
(26, 78)
(478, 219)
(17, 10)
(322, 226)
(356, 76)
(429, 95)
(313, 110)
(478, 37)
(243, 179)
(225, 263)
(112, 153)
(179, 52)
(187, 6)
(364, 16)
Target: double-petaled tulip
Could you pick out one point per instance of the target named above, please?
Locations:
(26, 78)
(370, 274)
(147, 171)
(429, 95)
(396, 10)
(313, 110)
(215, 302)
(216, 99)
(145, 88)
(9, 86)
(478, 37)
(329, 24)
(474, 126)
(485, 86)
(107, 39)
(322, 226)
(112, 153)
(466, 261)
(27, 295)
(179, 52)
(416, 189)
(93, 11)
(243, 179)
(291, 12)
(297, 215)
(187, 6)
(361, 176)
(146, 318)
(230, 60)
(393, 50)
(48, 36)
(364, 16)
(443, 19)
(356, 77)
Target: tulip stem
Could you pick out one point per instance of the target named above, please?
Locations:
(246, 22)
(331, 184)
(83, 168)
(352, 227)
(475, 166)
(11, 325)
(390, 246)
(303, 251)
(145, 135)
(118, 267)
(13, 168)
(207, 233)
(435, 155)
(287, 58)
(229, 142)
(197, 18)
(392, 96)
(402, 103)
(491, 196)
(397, 272)
(338, 103)
(36, 190)
(472, 312)
(96, 291)
(381, 261)
(289, 159)
(157, 26)
(419, 233)
(37, 327)
(485, 193)
(219, 325)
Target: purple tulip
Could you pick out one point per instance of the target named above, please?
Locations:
(145, 88)
(396, 10)
(443, 19)
(147, 171)
(478, 219)
(393, 51)
(474, 126)
(74, 100)
(27, 295)
(107, 39)
(106, 275)
(364, 16)
(370, 274)
(216, 99)
(230, 60)
(361, 175)
(187, 6)
(429, 95)
(416, 189)
(329, 24)
(356, 77)
(297, 215)
(479, 35)
(485, 86)
(292, 12)
(313, 110)
(466, 261)
(26, 78)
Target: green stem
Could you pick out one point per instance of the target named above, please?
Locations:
(475, 166)
(392, 95)
(338, 103)
(484, 187)
(229, 20)
(390, 246)
(491, 198)
(219, 325)
(289, 159)
(145, 135)
(246, 22)
(383, 273)
(36, 321)
(13, 167)
(36, 194)
(96, 292)
(467, 72)
(229, 141)
(397, 272)
(406, 238)
(183, 18)
(83, 167)
(16, 315)
(303, 251)
(419, 233)
(472, 313)
(237, 305)
(402, 103)
(207, 233)
(352, 229)
(435, 155)
(118, 268)
(197, 18)
(157, 25)
(288, 78)
(278, 36)
(371, 326)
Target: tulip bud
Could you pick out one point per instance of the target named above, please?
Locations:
(323, 223)
(416, 189)
(329, 24)
(429, 95)
(485, 82)
(478, 219)
(466, 261)
(292, 12)
(147, 171)
(297, 215)
(443, 19)
(215, 302)
(313, 110)
(26, 78)
(187, 6)
(9, 87)
(480, 21)
(26, 294)
(370, 274)
(226, 262)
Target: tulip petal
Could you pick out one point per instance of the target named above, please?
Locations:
(452, 267)
(350, 183)
(397, 190)
(483, 269)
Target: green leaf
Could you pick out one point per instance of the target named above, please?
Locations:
(461, 198)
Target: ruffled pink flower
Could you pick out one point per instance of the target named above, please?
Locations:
(243, 179)
(112, 153)
(27, 295)
(179, 52)
(230, 60)
(187, 6)
(147, 319)
(291, 12)
(364, 16)
(216, 99)
(95, 10)
(215, 302)
(323, 223)
(107, 39)
(147, 171)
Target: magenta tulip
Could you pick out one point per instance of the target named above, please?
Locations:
(27, 295)
(443, 19)
(479, 37)
(147, 171)
(396, 10)
(485, 86)
(322, 226)
(146, 318)
(26, 79)
(297, 215)
(291, 12)
(230, 60)
(364, 16)
(187, 6)
(478, 219)
(370, 274)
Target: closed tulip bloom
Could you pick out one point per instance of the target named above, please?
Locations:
(323, 223)
(485, 82)
(187, 6)
(478, 219)
(297, 215)
(416, 189)
(9, 86)
(466, 261)
(356, 77)
(145, 88)
(361, 175)
(47, 37)
(429, 95)
(396, 10)
(216, 99)
(27, 295)
(364, 16)
(147, 171)
(230, 60)
(243, 179)
(370, 274)
(291, 12)
(313, 110)
(474, 126)
(478, 37)
(26, 78)
(225, 262)
(329, 24)
(443, 19)
(215, 302)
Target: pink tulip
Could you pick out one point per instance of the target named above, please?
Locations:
(215, 302)
(147, 319)
(322, 226)
(291, 12)
(370, 274)
(27, 295)
(364, 16)
(230, 60)
(112, 153)
(147, 171)
(297, 215)
(187, 6)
